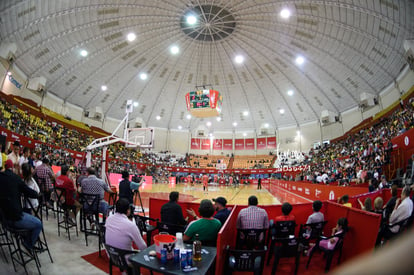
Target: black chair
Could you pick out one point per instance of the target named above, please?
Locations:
(117, 258)
(310, 232)
(144, 226)
(251, 239)
(41, 245)
(101, 237)
(14, 238)
(279, 232)
(89, 212)
(288, 249)
(112, 201)
(5, 239)
(402, 226)
(64, 210)
(244, 260)
(329, 253)
(171, 229)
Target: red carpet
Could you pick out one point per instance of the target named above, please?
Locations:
(286, 265)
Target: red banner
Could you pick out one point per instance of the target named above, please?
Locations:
(249, 144)
(239, 144)
(187, 101)
(218, 144)
(205, 144)
(213, 99)
(195, 144)
(227, 144)
(271, 142)
(261, 143)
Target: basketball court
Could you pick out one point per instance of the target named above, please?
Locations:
(234, 195)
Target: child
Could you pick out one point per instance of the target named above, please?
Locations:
(329, 244)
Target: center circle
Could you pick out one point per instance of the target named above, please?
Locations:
(213, 23)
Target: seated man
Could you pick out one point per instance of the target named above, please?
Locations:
(120, 231)
(95, 186)
(401, 212)
(12, 188)
(206, 227)
(63, 181)
(316, 216)
(252, 217)
(171, 212)
(286, 209)
(222, 211)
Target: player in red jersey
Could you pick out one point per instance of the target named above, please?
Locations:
(190, 179)
(215, 178)
(205, 182)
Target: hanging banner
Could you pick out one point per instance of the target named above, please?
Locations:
(271, 142)
(249, 144)
(218, 144)
(205, 144)
(195, 144)
(239, 144)
(227, 144)
(261, 143)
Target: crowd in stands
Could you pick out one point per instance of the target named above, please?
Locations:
(360, 156)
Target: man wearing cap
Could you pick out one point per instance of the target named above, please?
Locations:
(222, 211)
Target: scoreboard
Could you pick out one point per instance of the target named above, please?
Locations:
(204, 103)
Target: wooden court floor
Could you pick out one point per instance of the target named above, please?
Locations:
(194, 193)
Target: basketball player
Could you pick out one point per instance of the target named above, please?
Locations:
(189, 179)
(215, 179)
(205, 183)
(231, 180)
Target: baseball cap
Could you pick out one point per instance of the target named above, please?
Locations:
(221, 201)
(9, 164)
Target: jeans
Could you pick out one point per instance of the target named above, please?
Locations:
(31, 223)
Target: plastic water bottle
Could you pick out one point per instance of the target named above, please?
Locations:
(179, 240)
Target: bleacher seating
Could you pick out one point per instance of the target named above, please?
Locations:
(252, 162)
(200, 161)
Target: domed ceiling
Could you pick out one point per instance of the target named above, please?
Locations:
(276, 63)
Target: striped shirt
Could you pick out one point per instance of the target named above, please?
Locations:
(252, 217)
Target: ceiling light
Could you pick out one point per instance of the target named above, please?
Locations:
(158, 117)
(239, 59)
(266, 125)
(188, 116)
(208, 123)
(83, 53)
(245, 113)
(143, 76)
(210, 135)
(285, 13)
(298, 132)
(104, 88)
(218, 118)
(244, 134)
(180, 127)
(234, 124)
(9, 73)
(131, 36)
(282, 111)
(136, 104)
(191, 19)
(300, 60)
(290, 93)
(174, 49)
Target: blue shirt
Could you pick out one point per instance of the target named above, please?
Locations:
(222, 215)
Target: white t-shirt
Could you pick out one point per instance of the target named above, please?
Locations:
(23, 160)
(31, 183)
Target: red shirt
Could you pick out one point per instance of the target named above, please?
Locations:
(283, 218)
(189, 179)
(67, 183)
(205, 179)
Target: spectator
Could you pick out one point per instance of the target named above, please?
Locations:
(286, 209)
(95, 186)
(122, 232)
(367, 205)
(64, 181)
(252, 217)
(389, 206)
(340, 228)
(24, 158)
(171, 212)
(316, 216)
(344, 201)
(125, 190)
(14, 156)
(401, 212)
(31, 183)
(206, 227)
(44, 177)
(222, 211)
(12, 188)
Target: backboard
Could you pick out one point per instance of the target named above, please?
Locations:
(140, 137)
